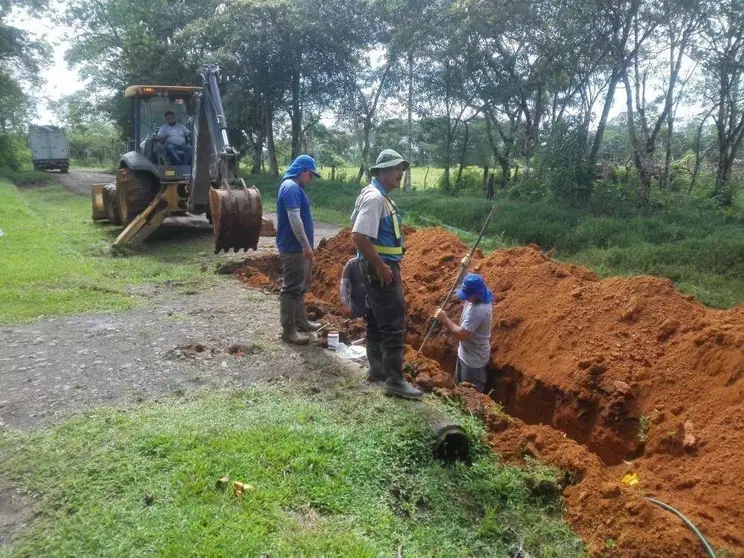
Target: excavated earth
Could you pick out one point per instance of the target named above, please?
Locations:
(600, 378)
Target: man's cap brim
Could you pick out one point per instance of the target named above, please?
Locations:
(393, 163)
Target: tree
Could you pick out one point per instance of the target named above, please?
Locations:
(20, 63)
(721, 54)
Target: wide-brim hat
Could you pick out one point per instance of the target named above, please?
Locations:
(474, 285)
(389, 158)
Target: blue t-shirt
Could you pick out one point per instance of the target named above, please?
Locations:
(292, 196)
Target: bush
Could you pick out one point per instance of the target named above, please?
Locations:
(13, 151)
(562, 163)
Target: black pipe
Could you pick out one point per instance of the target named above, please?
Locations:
(667, 507)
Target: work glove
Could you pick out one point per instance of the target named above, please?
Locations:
(465, 261)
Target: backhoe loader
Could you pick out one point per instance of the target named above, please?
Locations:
(149, 187)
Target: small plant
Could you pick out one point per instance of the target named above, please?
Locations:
(643, 425)
(610, 544)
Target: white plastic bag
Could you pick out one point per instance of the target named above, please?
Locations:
(350, 352)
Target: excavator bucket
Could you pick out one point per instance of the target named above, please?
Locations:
(236, 217)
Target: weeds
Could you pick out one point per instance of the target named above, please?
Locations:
(643, 426)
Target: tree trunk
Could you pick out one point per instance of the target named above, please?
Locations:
(446, 185)
(505, 171)
(296, 115)
(364, 167)
(640, 154)
(463, 154)
(599, 136)
(257, 154)
(270, 146)
(485, 176)
(407, 183)
(698, 154)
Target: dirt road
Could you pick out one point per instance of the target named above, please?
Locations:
(80, 181)
(227, 335)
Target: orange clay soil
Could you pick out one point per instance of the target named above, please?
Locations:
(598, 377)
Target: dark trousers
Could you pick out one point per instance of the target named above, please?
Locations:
(385, 310)
(179, 154)
(296, 273)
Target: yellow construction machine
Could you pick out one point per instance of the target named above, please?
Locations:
(149, 188)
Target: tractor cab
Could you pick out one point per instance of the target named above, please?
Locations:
(149, 104)
(151, 185)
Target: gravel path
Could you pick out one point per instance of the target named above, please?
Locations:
(226, 335)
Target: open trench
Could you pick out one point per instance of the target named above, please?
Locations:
(599, 378)
(608, 424)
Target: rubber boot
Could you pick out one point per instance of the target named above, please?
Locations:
(287, 309)
(303, 324)
(376, 372)
(392, 361)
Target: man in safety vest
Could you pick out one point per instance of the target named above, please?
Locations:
(378, 235)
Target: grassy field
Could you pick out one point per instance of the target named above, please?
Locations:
(692, 242)
(421, 177)
(55, 260)
(336, 473)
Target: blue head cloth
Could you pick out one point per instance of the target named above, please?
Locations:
(302, 163)
(474, 285)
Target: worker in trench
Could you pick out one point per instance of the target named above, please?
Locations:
(473, 332)
(352, 290)
(294, 239)
(378, 234)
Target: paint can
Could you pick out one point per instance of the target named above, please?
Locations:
(333, 340)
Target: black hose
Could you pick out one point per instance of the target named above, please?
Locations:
(667, 507)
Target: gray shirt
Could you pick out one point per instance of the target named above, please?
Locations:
(353, 291)
(476, 318)
(369, 209)
(174, 135)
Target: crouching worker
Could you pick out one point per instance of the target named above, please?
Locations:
(294, 239)
(353, 291)
(474, 331)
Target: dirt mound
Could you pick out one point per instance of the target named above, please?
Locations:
(261, 272)
(601, 378)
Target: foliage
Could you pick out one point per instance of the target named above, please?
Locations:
(562, 164)
(334, 474)
(93, 138)
(20, 61)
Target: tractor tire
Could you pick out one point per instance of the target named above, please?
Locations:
(135, 191)
(111, 204)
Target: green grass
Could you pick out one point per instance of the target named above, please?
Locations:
(420, 177)
(54, 260)
(334, 474)
(692, 242)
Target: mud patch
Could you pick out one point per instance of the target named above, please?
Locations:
(260, 272)
(15, 512)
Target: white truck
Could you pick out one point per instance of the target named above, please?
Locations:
(49, 148)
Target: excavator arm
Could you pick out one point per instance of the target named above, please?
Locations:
(215, 178)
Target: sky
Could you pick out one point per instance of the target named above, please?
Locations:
(59, 80)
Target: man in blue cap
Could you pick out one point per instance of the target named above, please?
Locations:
(377, 231)
(474, 331)
(294, 239)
